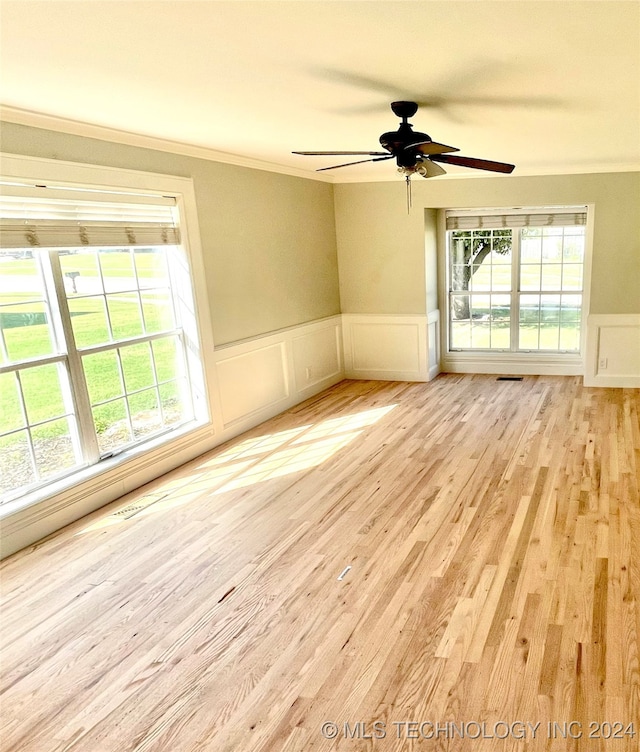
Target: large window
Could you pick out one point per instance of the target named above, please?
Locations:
(515, 282)
(96, 330)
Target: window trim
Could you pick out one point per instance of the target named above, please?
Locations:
(533, 362)
(158, 454)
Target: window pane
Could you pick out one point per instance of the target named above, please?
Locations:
(81, 272)
(550, 307)
(460, 245)
(531, 249)
(571, 309)
(102, 373)
(168, 356)
(551, 276)
(501, 321)
(481, 277)
(530, 276)
(480, 307)
(112, 426)
(118, 272)
(550, 335)
(151, 266)
(42, 392)
(174, 409)
(27, 330)
(146, 417)
(570, 336)
(573, 249)
(460, 335)
(124, 313)
(528, 334)
(53, 448)
(459, 277)
(551, 246)
(21, 276)
(481, 335)
(11, 413)
(16, 463)
(137, 366)
(501, 275)
(89, 321)
(157, 308)
(572, 277)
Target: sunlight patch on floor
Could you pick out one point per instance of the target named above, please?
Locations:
(255, 460)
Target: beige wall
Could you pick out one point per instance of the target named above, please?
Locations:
(268, 239)
(381, 250)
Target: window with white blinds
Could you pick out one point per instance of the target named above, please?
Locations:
(515, 280)
(95, 302)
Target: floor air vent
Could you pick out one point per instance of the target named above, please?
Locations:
(509, 378)
(138, 506)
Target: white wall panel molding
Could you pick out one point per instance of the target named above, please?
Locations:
(259, 378)
(388, 347)
(613, 350)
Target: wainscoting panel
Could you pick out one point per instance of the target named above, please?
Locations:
(613, 350)
(317, 356)
(385, 347)
(261, 377)
(252, 381)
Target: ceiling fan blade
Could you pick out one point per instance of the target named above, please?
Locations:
(431, 147)
(361, 161)
(429, 169)
(476, 164)
(339, 153)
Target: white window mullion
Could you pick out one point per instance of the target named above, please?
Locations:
(515, 290)
(27, 427)
(80, 396)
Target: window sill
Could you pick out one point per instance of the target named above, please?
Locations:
(521, 363)
(108, 473)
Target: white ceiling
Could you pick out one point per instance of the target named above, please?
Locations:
(551, 86)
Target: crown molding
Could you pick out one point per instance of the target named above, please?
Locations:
(103, 133)
(114, 135)
(549, 171)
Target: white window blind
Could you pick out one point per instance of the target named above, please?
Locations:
(553, 218)
(33, 217)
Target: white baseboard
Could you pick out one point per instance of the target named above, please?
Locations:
(255, 379)
(613, 350)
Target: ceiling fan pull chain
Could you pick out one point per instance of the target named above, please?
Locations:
(408, 194)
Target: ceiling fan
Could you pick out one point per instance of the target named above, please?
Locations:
(414, 152)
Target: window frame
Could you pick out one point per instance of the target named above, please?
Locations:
(511, 361)
(110, 471)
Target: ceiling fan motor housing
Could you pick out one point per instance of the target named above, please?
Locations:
(399, 144)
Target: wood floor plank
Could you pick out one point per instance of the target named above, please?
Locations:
(459, 552)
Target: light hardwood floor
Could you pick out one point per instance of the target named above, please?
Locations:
(493, 534)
